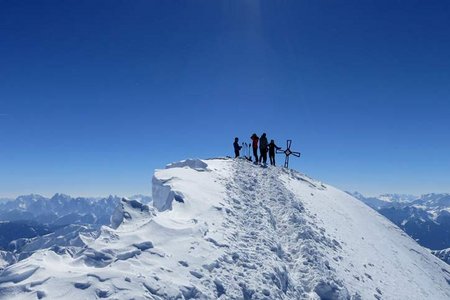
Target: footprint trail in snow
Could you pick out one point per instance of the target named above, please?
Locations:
(273, 240)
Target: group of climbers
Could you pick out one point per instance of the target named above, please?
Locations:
(264, 147)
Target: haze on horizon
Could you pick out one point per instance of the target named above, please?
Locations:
(95, 95)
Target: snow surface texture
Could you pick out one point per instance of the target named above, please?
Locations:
(228, 229)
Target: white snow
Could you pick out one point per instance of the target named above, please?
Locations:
(229, 229)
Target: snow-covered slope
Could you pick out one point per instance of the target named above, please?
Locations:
(231, 230)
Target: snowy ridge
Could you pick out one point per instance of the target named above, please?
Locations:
(228, 229)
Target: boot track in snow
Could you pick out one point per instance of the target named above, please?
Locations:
(268, 223)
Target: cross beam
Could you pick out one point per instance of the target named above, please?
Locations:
(288, 152)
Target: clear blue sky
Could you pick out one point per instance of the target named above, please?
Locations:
(94, 95)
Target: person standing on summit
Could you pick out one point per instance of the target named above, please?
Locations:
(255, 140)
(263, 148)
(272, 149)
(236, 146)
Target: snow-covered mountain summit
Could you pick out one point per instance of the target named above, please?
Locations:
(228, 229)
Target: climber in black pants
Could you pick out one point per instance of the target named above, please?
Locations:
(272, 150)
(236, 146)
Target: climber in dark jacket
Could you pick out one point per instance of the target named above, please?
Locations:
(263, 148)
(255, 140)
(272, 150)
(236, 146)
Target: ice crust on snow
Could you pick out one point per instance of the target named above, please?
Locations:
(227, 229)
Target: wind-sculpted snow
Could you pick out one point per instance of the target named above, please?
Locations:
(64, 236)
(163, 194)
(227, 229)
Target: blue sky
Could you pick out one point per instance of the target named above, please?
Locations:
(94, 95)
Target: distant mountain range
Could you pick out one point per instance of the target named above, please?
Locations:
(61, 209)
(425, 218)
(34, 222)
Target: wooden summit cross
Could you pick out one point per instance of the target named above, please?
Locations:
(288, 152)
